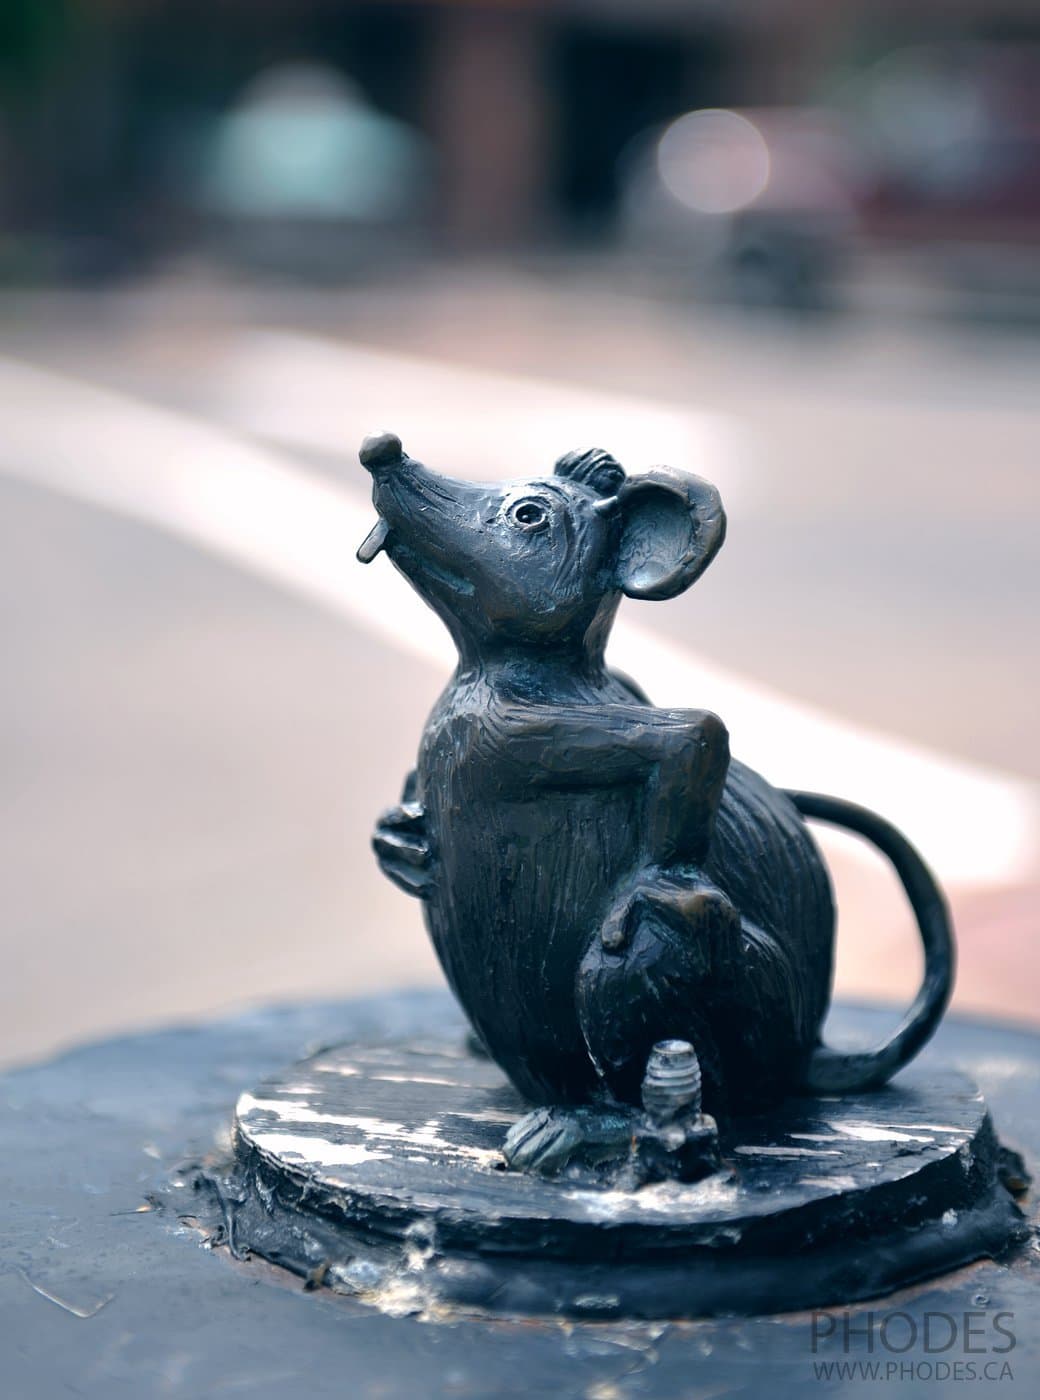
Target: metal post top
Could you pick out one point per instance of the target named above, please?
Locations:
(107, 1290)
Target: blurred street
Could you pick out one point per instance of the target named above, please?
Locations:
(194, 753)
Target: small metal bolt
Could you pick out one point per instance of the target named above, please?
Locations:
(672, 1083)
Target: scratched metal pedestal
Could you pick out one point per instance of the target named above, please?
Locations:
(108, 1289)
(375, 1167)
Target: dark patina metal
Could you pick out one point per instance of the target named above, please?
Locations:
(378, 1163)
(106, 1291)
(598, 876)
(641, 932)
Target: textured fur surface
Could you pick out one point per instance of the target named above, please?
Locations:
(597, 875)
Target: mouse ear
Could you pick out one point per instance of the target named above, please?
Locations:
(672, 526)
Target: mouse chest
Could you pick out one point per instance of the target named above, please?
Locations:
(524, 875)
(511, 835)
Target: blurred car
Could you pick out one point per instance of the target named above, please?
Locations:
(928, 162)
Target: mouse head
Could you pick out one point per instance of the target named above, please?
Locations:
(542, 562)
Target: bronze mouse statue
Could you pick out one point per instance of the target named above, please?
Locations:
(597, 875)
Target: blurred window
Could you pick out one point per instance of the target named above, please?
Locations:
(302, 142)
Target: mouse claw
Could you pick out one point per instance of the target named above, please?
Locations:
(407, 816)
(616, 933)
(394, 847)
(613, 935)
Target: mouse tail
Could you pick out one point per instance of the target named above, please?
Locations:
(836, 1071)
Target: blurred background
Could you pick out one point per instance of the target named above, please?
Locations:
(793, 246)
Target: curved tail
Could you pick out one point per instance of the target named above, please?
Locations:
(835, 1071)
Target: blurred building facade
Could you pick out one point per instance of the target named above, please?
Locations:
(109, 109)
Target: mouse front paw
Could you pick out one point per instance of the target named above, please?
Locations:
(403, 850)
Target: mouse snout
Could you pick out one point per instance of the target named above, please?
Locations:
(381, 450)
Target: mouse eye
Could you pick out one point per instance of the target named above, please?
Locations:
(530, 515)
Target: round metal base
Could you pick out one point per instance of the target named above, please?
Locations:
(114, 1281)
(375, 1166)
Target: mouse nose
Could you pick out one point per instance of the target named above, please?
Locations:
(381, 450)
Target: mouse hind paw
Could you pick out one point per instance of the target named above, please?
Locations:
(697, 908)
(547, 1140)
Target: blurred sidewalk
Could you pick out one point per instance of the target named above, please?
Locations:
(195, 758)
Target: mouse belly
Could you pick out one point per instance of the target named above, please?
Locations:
(522, 886)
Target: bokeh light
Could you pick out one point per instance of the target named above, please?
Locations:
(714, 161)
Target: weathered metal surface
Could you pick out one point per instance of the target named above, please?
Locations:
(380, 1165)
(90, 1139)
(597, 876)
